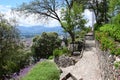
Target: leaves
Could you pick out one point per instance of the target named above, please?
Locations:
(114, 5)
(72, 19)
(12, 55)
(44, 45)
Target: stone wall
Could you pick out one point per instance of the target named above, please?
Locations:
(106, 64)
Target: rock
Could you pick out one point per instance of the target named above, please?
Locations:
(64, 61)
(117, 59)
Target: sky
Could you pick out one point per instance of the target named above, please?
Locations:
(12, 3)
(6, 5)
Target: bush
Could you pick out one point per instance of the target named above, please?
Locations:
(65, 50)
(57, 52)
(116, 20)
(45, 70)
(117, 64)
(11, 49)
(117, 51)
(51, 57)
(112, 30)
(44, 45)
(107, 35)
(106, 42)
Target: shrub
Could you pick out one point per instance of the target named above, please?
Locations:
(10, 49)
(65, 50)
(117, 51)
(104, 43)
(51, 57)
(57, 52)
(107, 43)
(44, 45)
(116, 19)
(45, 70)
(98, 35)
(112, 30)
(117, 64)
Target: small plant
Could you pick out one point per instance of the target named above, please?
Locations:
(117, 65)
(57, 52)
(65, 50)
(51, 57)
(117, 51)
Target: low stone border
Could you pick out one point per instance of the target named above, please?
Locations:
(106, 62)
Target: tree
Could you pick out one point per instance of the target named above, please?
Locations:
(72, 19)
(12, 55)
(100, 9)
(48, 8)
(114, 6)
(44, 45)
(9, 45)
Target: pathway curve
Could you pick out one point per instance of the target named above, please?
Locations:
(87, 68)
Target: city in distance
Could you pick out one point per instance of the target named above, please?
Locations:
(28, 32)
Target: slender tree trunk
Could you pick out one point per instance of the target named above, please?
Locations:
(72, 35)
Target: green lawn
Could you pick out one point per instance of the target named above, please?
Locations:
(46, 70)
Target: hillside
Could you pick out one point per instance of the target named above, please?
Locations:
(36, 30)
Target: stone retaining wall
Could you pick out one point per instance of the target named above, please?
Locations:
(106, 64)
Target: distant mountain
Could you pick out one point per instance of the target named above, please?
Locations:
(36, 30)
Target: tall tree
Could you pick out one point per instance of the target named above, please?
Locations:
(9, 45)
(100, 9)
(48, 8)
(72, 19)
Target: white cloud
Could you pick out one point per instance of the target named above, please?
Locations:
(4, 9)
(27, 21)
(32, 20)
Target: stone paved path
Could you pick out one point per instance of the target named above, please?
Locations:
(87, 68)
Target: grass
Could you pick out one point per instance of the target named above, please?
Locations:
(45, 70)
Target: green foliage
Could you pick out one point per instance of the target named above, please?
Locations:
(57, 52)
(51, 57)
(112, 30)
(9, 46)
(98, 35)
(114, 6)
(65, 50)
(72, 19)
(12, 55)
(96, 26)
(116, 20)
(45, 70)
(107, 43)
(44, 45)
(117, 51)
(117, 64)
(107, 35)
